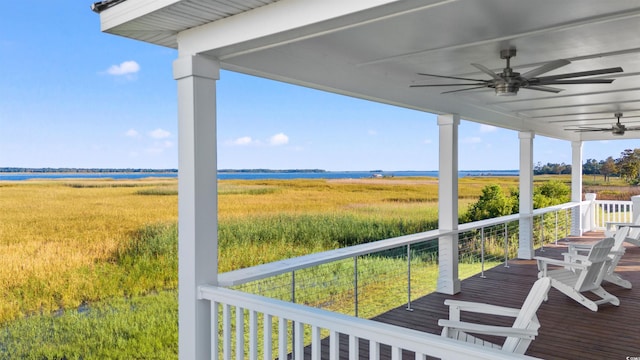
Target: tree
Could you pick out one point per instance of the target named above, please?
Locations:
(591, 167)
(551, 193)
(608, 168)
(629, 165)
(492, 203)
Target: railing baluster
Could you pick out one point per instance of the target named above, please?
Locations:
(253, 335)
(298, 342)
(409, 277)
(215, 324)
(239, 333)
(283, 335)
(226, 332)
(355, 283)
(506, 245)
(482, 253)
(354, 347)
(374, 350)
(396, 353)
(315, 343)
(334, 345)
(267, 346)
(556, 235)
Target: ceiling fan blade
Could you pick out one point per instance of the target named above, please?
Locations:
(576, 81)
(542, 88)
(487, 71)
(450, 77)
(546, 68)
(472, 88)
(589, 129)
(581, 74)
(434, 85)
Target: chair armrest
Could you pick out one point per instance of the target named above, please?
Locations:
(505, 331)
(543, 262)
(572, 257)
(482, 308)
(580, 247)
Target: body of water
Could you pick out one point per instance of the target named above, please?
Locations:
(254, 175)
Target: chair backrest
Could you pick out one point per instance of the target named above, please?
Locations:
(597, 266)
(527, 318)
(619, 238)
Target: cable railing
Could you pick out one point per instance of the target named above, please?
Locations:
(361, 282)
(351, 280)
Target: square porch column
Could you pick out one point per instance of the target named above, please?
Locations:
(525, 241)
(197, 201)
(576, 188)
(448, 281)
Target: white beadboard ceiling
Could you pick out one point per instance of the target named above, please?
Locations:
(373, 49)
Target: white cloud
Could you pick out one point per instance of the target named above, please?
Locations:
(487, 128)
(427, 141)
(279, 139)
(125, 68)
(471, 140)
(159, 147)
(159, 134)
(131, 133)
(372, 132)
(245, 140)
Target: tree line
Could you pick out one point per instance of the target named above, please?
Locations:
(627, 167)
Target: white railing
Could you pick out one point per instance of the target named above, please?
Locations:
(348, 280)
(334, 279)
(605, 211)
(247, 322)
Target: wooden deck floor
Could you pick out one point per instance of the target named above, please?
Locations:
(568, 330)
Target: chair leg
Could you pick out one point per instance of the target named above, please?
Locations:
(572, 293)
(618, 280)
(606, 297)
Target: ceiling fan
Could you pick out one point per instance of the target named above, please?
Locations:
(616, 129)
(508, 82)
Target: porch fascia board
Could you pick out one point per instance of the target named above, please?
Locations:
(287, 21)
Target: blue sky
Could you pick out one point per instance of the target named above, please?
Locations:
(71, 96)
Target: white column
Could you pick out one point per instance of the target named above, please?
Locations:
(448, 281)
(197, 201)
(576, 187)
(525, 247)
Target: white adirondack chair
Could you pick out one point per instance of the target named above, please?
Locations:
(517, 337)
(577, 252)
(574, 278)
(633, 237)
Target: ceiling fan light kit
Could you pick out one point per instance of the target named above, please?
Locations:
(508, 82)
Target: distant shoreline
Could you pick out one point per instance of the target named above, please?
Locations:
(168, 171)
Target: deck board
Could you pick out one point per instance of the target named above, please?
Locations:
(568, 330)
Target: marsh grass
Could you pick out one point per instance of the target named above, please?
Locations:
(122, 328)
(112, 245)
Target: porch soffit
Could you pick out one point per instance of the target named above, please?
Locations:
(373, 49)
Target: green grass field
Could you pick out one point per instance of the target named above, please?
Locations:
(90, 267)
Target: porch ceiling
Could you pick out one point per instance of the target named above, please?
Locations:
(373, 49)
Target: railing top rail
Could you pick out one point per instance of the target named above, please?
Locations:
(620, 202)
(242, 276)
(404, 338)
(556, 207)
